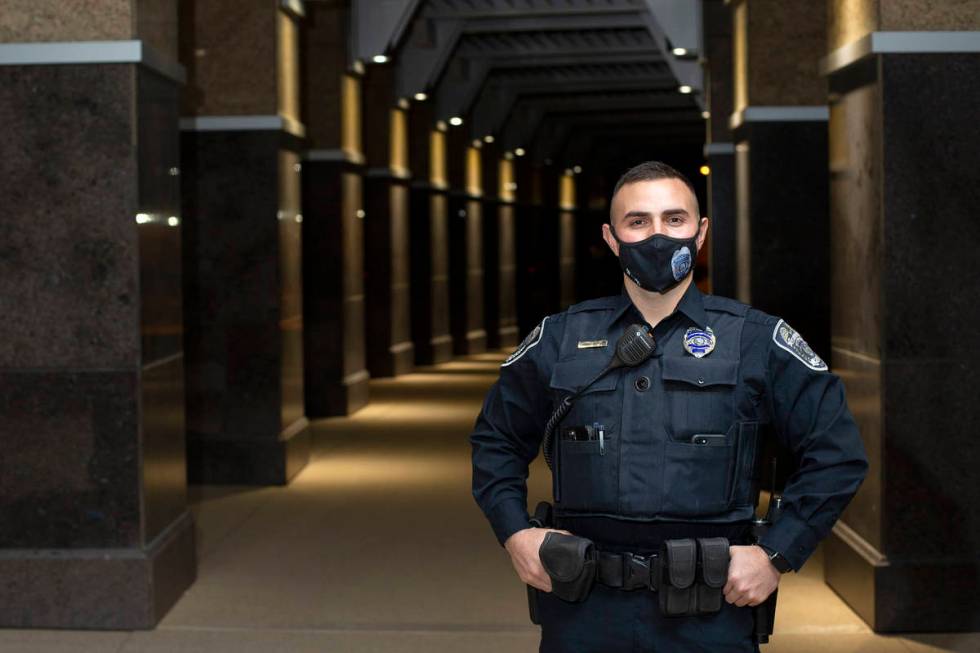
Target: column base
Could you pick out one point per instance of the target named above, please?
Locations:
(341, 398)
(98, 589)
(397, 360)
(249, 462)
(509, 337)
(898, 596)
(475, 342)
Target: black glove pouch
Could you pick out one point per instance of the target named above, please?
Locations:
(713, 560)
(571, 563)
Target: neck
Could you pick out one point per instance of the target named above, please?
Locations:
(655, 306)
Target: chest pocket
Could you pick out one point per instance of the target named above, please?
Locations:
(587, 473)
(699, 396)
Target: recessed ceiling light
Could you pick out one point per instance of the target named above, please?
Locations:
(684, 88)
(379, 58)
(455, 121)
(421, 97)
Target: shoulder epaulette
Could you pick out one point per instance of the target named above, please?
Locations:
(600, 303)
(725, 304)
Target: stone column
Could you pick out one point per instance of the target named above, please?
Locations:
(429, 237)
(780, 124)
(336, 377)
(538, 286)
(465, 245)
(94, 527)
(490, 209)
(903, 146)
(508, 334)
(241, 146)
(386, 233)
(719, 150)
(597, 271)
(566, 239)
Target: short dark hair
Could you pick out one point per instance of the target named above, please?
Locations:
(651, 171)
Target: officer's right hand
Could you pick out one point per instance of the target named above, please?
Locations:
(523, 548)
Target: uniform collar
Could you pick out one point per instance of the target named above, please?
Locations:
(691, 305)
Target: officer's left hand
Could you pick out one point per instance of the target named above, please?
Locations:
(751, 577)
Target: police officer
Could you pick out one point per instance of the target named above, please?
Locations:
(681, 434)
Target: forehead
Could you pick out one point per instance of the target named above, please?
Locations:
(654, 196)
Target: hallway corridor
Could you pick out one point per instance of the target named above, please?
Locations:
(379, 546)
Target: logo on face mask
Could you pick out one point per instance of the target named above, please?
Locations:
(680, 263)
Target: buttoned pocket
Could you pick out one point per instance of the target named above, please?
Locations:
(699, 396)
(588, 470)
(698, 478)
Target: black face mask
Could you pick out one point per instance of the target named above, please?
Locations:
(658, 263)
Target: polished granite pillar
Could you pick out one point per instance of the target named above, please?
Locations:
(466, 265)
(719, 150)
(903, 144)
(538, 240)
(490, 209)
(246, 422)
(597, 271)
(566, 239)
(390, 351)
(94, 527)
(779, 122)
(429, 237)
(336, 377)
(507, 332)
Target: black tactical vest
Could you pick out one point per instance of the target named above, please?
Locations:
(646, 465)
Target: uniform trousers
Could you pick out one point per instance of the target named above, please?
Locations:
(616, 621)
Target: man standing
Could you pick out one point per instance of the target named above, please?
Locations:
(666, 449)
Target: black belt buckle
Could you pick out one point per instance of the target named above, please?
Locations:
(636, 572)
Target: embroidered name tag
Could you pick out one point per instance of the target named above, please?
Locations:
(590, 344)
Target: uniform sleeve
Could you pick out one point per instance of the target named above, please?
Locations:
(508, 433)
(812, 420)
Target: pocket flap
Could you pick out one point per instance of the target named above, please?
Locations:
(714, 560)
(700, 372)
(681, 562)
(572, 374)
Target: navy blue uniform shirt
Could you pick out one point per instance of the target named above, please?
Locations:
(760, 377)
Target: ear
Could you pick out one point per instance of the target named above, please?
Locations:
(608, 237)
(703, 234)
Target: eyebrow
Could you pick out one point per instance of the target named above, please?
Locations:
(647, 214)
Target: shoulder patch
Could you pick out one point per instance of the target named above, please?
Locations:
(789, 340)
(530, 341)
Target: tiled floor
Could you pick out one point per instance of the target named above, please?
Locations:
(377, 546)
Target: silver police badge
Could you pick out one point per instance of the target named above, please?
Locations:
(680, 263)
(699, 342)
(789, 340)
(532, 339)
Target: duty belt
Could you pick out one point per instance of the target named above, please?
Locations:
(629, 571)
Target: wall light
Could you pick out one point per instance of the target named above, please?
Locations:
(173, 221)
(705, 170)
(143, 218)
(705, 114)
